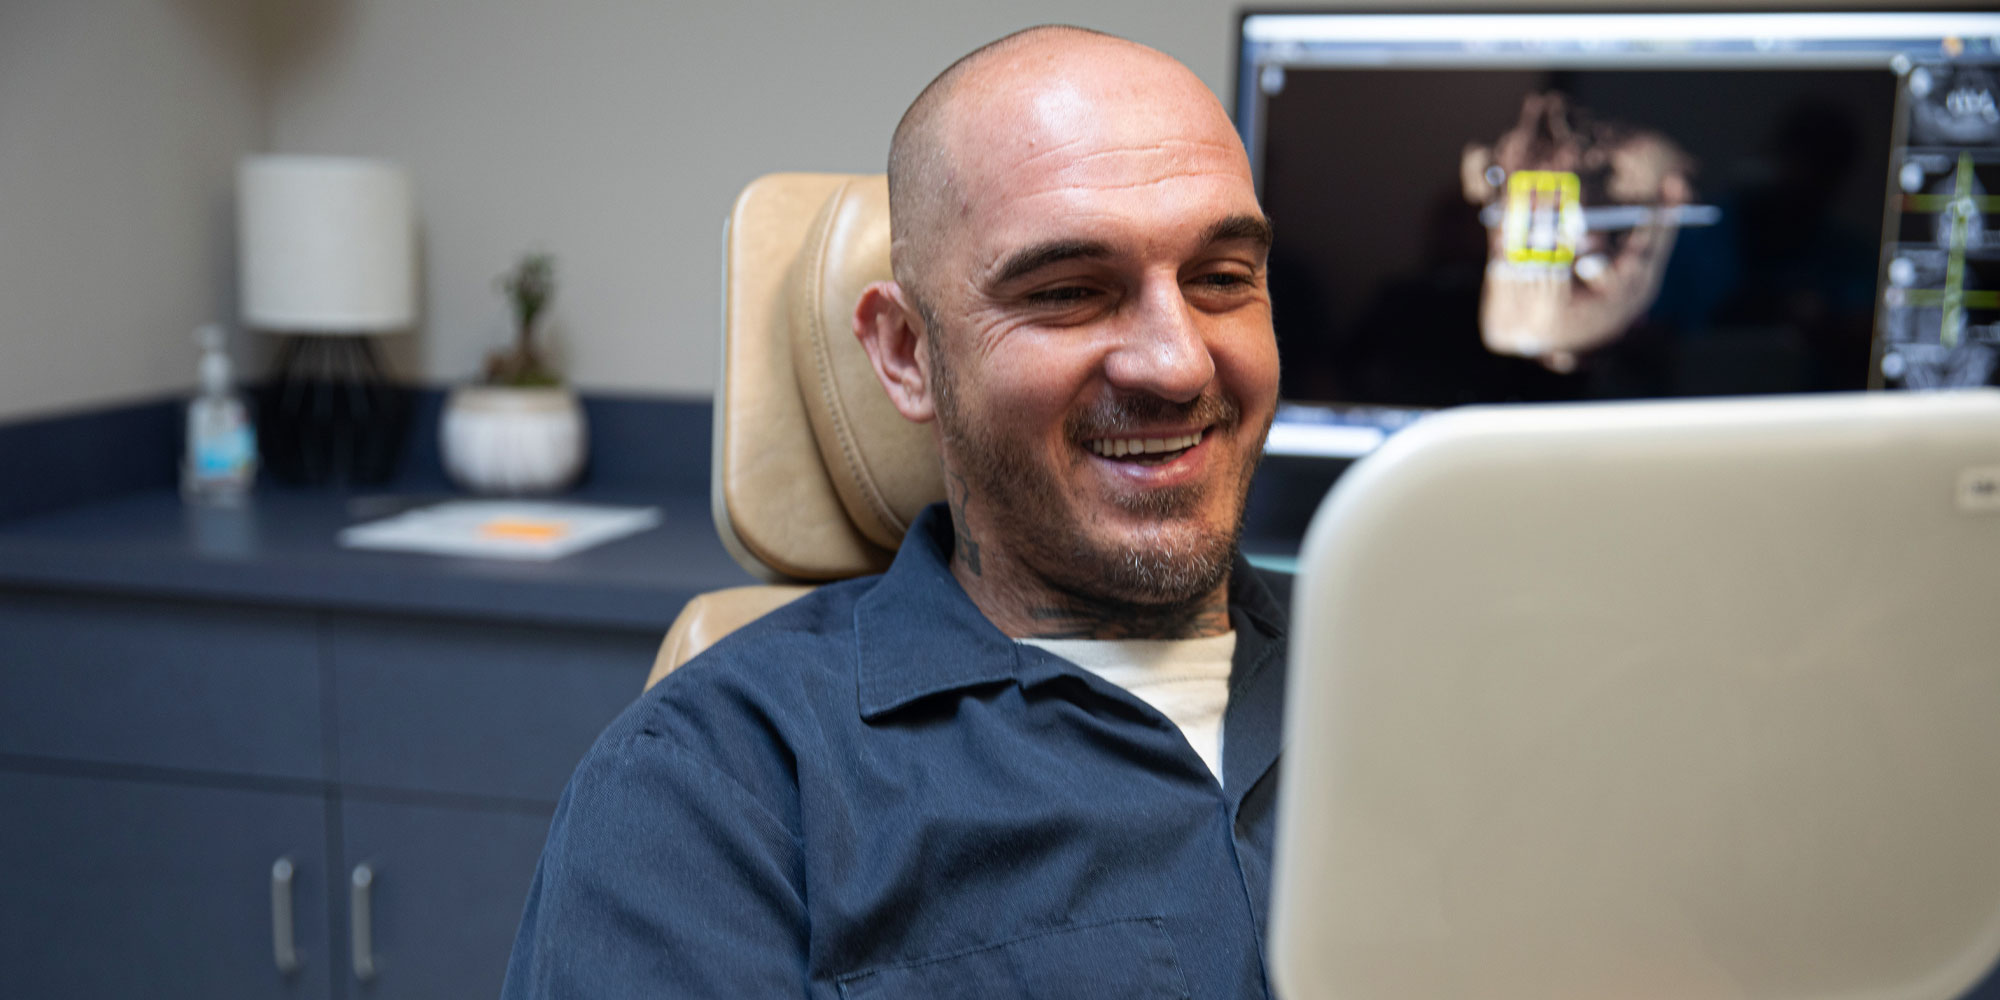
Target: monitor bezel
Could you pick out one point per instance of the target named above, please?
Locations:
(1320, 429)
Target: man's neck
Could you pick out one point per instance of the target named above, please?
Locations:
(1026, 607)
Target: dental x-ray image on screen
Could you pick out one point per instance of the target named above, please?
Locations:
(1564, 281)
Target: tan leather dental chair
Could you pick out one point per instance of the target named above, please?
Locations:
(815, 476)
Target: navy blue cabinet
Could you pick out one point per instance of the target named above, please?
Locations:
(444, 892)
(119, 888)
(455, 739)
(159, 758)
(475, 708)
(163, 684)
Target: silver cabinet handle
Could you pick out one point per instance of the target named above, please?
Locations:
(284, 943)
(361, 923)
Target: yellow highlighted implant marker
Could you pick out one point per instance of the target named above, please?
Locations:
(1544, 220)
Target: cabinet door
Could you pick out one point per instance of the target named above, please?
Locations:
(123, 889)
(445, 895)
(488, 709)
(175, 684)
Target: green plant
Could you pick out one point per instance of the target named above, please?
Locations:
(529, 287)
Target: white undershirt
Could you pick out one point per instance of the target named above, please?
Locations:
(1187, 680)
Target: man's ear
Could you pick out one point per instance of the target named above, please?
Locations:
(892, 332)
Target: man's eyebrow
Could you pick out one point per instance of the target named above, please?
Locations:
(1248, 228)
(1033, 258)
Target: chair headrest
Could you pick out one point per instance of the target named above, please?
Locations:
(816, 476)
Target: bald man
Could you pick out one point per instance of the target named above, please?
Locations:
(1037, 757)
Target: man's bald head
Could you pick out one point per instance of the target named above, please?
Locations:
(927, 153)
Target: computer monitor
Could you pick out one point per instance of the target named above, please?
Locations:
(1693, 699)
(1481, 207)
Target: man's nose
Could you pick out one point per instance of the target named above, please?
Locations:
(1161, 350)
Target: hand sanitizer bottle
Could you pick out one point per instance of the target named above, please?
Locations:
(221, 458)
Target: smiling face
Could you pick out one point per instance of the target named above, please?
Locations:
(1099, 343)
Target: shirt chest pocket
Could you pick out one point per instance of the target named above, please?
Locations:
(1118, 960)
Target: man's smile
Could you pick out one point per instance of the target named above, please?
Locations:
(1145, 450)
(1154, 464)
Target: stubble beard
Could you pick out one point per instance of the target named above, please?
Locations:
(1023, 502)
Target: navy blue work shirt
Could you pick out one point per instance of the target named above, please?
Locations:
(872, 793)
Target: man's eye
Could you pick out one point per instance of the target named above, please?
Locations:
(1062, 295)
(1223, 279)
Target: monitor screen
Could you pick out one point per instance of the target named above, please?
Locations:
(1499, 207)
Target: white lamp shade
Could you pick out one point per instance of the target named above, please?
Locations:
(325, 244)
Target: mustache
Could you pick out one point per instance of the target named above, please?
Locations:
(1131, 412)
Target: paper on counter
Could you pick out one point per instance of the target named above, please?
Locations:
(501, 529)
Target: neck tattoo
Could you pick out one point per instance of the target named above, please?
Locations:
(1204, 616)
(965, 549)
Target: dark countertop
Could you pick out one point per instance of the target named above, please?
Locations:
(282, 551)
(103, 518)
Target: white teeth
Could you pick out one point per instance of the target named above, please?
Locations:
(1120, 447)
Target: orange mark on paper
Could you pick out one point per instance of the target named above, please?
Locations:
(523, 530)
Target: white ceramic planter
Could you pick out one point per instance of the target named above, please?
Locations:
(509, 441)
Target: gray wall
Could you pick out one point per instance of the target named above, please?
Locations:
(120, 122)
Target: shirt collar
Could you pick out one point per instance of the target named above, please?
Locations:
(917, 633)
(1254, 721)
